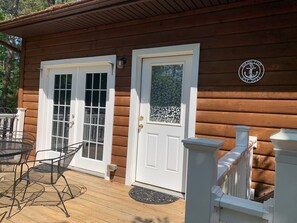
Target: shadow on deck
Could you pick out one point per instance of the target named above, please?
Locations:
(95, 200)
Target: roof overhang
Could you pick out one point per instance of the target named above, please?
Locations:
(89, 13)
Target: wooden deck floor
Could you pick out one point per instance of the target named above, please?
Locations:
(96, 200)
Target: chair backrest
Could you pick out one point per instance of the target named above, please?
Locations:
(61, 163)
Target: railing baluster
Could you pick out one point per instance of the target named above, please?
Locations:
(13, 122)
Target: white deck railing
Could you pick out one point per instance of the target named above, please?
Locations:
(231, 209)
(217, 189)
(13, 122)
(235, 167)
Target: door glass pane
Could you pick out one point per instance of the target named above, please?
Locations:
(166, 91)
(62, 97)
(95, 98)
(94, 116)
(103, 82)
(103, 99)
(87, 118)
(96, 82)
(89, 81)
(61, 110)
(57, 82)
(68, 97)
(88, 98)
(67, 116)
(69, 81)
(95, 103)
(63, 81)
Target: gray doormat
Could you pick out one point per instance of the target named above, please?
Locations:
(150, 196)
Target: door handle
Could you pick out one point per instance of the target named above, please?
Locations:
(70, 124)
(140, 118)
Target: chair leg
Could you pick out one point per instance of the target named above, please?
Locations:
(27, 184)
(72, 196)
(61, 199)
(2, 216)
(14, 194)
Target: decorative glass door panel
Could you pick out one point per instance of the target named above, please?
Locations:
(94, 120)
(61, 111)
(166, 92)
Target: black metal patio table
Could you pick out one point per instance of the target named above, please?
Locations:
(10, 149)
(14, 153)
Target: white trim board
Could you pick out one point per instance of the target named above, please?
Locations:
(137, 57)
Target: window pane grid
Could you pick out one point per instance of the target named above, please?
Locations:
(95, 106)
(61, 110)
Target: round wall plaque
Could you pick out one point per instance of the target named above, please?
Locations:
(251, 71)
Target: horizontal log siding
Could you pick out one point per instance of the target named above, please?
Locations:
(228, 36)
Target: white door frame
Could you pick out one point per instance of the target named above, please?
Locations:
(43, 89)
(137, 57)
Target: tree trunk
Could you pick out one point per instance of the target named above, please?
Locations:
(51, 2)
(15, 8)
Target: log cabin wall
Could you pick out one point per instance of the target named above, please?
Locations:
(228, 35)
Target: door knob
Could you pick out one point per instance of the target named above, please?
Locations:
(70, 124)
(140, 126)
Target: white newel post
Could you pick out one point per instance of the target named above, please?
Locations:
(242, 136)
(285, 194)
(242, 140)
(20, 120)
(201, 177)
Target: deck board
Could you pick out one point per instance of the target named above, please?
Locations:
(100, 201)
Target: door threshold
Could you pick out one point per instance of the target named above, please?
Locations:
(93, 173)
(160, 189)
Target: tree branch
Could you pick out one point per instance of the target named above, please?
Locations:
(10, 47)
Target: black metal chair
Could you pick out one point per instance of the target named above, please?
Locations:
(48, 171)
(15, 149)
(20, 142)
(2, 216)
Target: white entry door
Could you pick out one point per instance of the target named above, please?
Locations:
(77, 110)
(165, 92)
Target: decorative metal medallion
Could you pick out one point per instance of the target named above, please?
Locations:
(251, 71)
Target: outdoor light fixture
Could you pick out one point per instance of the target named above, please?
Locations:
(121, 62)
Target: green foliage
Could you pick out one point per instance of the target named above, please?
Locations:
(30, 6)
(13, 8)
(10, 61)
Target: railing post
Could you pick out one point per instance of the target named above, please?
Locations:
(242, 135)
(285, 194)
(242, 140)
(201, 177)
(20, 120)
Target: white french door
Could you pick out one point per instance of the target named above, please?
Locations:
(60, 107)
(92, 112)
(78, 108)
(165, 93)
